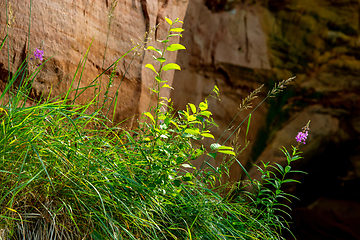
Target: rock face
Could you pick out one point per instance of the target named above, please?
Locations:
(64, 30)
(227, 49)
(239, 45)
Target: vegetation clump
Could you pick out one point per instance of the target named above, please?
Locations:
(70, 173)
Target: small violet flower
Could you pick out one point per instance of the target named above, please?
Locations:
(301, 137)
(39, 54)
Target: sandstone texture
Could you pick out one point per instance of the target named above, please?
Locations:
(239, 45)
(64, 30)
(226, 49)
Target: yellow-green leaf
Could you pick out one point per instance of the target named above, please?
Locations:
(168, 21)
(227, 152)
(191, 118)
(203, 106)
(150, 116)
(150, 66)
(167, 86)
(225, 148)
(175, 47)
(153, 90)
(171, 66)
(154, 49)
(177, 29)
(205, 113)
(195, 131)
(175, 124)
(163, 41)
(159, 80)
(208, 135)
(193, 108)
(175, 35)
(161, 59)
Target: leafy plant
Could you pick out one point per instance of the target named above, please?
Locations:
(66, 173)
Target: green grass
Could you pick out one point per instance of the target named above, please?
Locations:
(68, 172)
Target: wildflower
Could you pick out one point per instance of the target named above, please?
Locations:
(39, 54)
(301, 137)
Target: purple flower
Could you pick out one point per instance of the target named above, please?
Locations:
(39, 54)
(301, 137)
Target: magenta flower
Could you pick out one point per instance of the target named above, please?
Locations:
(39, 54)
(301, 137)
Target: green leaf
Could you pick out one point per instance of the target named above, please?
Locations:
(287, 169)
(177, 29)
(187, 177)
(212, 155)
(194, 131)
(177, 20)
(159, 80)
(175, 35)
(208, 135)
(227, 152)
(168, 21)
(170, 66)
(215, 146)
(279, 168)
(175, 47)
(290, 180)
(193, 108)
(205, 113)
(225, 148)
(297, 171)
(203, 106)
(191, 118)
(150, 116)
(153, 90)
(160, 59)
(167, 86)
(163, 41)
(247, 129)
(150, 66)
(3, 41)
(154, 49)
(175, 124)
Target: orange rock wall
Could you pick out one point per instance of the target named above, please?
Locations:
(65, 29)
